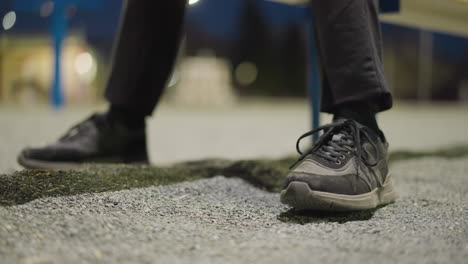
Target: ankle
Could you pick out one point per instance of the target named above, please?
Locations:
(362, 113)
(130, 118)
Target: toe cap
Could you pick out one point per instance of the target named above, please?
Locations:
(349, 184)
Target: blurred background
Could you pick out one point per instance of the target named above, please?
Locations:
(250, 56)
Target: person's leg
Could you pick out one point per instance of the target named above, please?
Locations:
(347, 168)
(145, 53)
(350, 48)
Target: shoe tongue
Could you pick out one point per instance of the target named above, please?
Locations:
(337, 137)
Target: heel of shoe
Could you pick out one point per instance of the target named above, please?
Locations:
(387, 193)
(136, 152)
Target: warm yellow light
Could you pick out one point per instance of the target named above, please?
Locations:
(9, 20)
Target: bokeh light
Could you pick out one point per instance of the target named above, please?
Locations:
(246, 73)
(9, 20)
(85, 66)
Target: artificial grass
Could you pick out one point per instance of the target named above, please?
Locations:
(26, 185)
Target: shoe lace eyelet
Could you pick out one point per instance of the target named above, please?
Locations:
(342, 157)
(338, 162)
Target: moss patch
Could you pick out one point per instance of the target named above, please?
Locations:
(448, 153)
(24, 186)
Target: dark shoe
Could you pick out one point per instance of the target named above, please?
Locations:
(346, 170)
(94, 140)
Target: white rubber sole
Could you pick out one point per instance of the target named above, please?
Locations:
(46, 165)
(301, 197)
(51, 165)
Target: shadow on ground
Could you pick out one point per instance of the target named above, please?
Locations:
(306, 217)
(24, 186)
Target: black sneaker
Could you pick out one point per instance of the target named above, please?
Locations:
(94, 140)
(346, 170)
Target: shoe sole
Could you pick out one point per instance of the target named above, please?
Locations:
(51, 165)
(46, 165)
(301, 197)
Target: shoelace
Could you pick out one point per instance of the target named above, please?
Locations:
(339, 138)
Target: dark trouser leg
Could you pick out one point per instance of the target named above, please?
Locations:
(350, 50)
(145, 52)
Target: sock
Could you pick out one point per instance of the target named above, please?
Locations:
(131, 118)
(363, 113)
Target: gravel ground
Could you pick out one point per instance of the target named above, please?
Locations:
(227, 220)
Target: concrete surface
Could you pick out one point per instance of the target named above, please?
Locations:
(226, 220)
(248, 131)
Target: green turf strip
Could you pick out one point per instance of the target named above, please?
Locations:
(24, 186)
